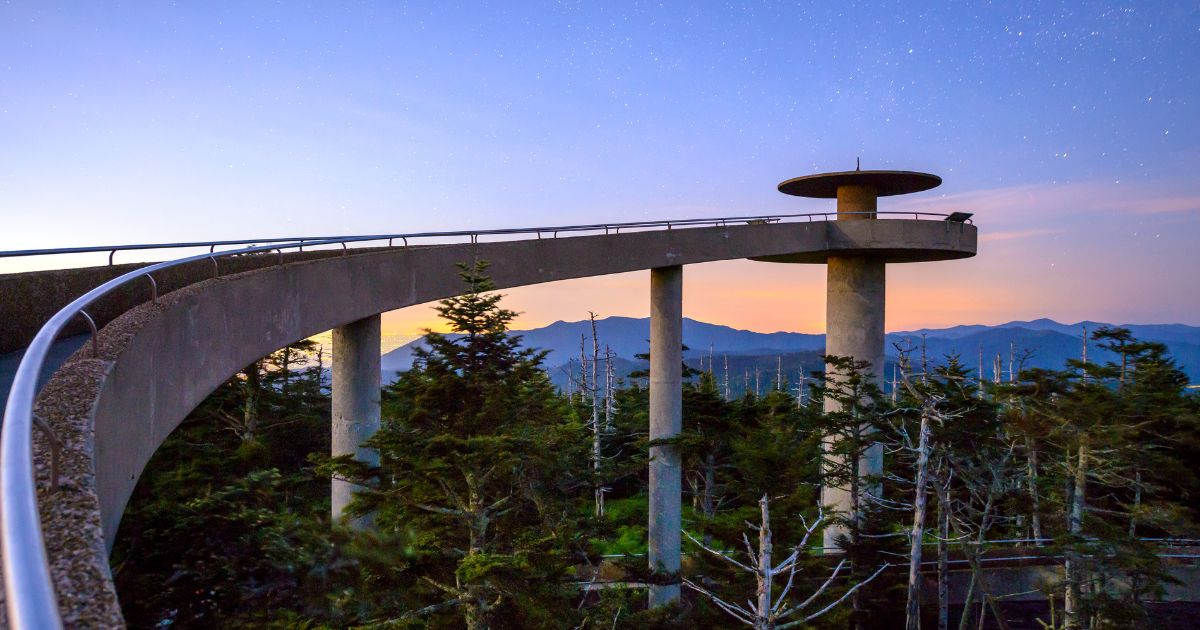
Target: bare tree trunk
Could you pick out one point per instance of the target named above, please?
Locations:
(800, 389)
(1012, 376)
(1035, 517)
(986, 601)
(596, 429)
(252, 387)
(707, 499)
(894, 383)
(610, 374)
(763, 619)
(924, 363)
(913, 614)
(942, 568)
(1072, 606)
(980, 380)
(727, 377)
(286, 368)
(965, 617)
(583, 384)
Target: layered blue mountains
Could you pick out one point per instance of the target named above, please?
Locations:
(757, 359)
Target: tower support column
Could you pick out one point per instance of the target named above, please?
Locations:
(356, 392)
(666, 421)
(854, 314)
(854, 317)
(854, 309)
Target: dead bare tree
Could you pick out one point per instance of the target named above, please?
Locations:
(727, 377)
(597, 429)
(768, 611)
(931, 411)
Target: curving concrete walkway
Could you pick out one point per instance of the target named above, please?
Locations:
(158, 361)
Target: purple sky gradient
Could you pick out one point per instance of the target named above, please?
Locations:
(1071, 132)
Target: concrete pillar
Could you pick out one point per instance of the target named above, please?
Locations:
(666, 420)
(852, 201)
(854, 317)
(356, 391)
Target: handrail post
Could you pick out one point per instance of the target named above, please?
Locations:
(92, 324)
(153, 287)
(55, 449)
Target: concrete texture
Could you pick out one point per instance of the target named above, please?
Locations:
(854, 314)
(885, 183)
(158, 361)
(28, 299)
(882, 240)
(856, 288)
(853, 201)
(666, 420)
(854, 309)
(356, 393)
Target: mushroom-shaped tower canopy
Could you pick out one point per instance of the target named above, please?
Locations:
(890, 241)
(886, 183)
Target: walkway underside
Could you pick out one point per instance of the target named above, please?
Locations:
(158, 361)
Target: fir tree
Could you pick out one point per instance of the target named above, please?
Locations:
(477, 460)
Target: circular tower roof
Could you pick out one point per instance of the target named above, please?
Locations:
(825, 185)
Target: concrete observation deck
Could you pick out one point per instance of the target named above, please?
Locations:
(158, 360)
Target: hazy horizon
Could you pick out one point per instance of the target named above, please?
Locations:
(1071, 134)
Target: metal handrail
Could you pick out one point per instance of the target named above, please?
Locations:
(312, 240)
(29, 590)
(112, 249)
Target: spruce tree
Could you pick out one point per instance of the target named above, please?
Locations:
(479, 472)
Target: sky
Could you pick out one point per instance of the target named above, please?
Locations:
(1070, 130)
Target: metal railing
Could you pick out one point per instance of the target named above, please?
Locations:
(113, 249)
(607, 228)
(29, 590)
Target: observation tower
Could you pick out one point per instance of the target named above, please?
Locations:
(857, 280)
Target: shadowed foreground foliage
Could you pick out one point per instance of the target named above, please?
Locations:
(483, 504)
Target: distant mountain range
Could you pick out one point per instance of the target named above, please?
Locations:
(1050, 343)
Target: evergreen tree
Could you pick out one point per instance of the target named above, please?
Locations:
(706, 444)
(222, 529)
(479, 464)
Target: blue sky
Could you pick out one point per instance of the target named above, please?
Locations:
(1070, 129)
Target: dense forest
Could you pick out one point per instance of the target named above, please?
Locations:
(502, 501)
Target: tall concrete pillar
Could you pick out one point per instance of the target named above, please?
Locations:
(666, 420)
(855, 299)
(356, 391)
(854, 312)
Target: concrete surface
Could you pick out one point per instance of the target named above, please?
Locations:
(666, 421)
(28, 299)
(159, 361)
(855, 302)
(854, 315)
(356, 400)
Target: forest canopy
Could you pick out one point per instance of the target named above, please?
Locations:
(501, 501)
